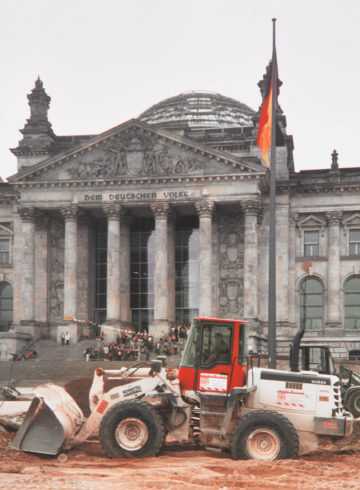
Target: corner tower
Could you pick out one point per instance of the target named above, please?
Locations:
(39, 140)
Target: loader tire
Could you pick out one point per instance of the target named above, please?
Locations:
(132, 429)
(264, 435)
(353, 403)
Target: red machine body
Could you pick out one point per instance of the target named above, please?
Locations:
(215, 356)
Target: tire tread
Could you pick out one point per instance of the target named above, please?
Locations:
(239, 429)
(111, 448)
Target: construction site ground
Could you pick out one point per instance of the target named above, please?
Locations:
(86, 467)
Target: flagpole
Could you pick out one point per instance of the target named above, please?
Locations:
(272, 217)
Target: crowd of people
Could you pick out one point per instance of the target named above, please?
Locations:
(130, 345)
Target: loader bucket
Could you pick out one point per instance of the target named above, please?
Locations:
(51, 422)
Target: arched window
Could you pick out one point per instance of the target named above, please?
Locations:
(352, 303)
(311, 304)
(6, 306)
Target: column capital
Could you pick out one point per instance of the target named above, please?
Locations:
(27, 213)
(251, 207)
(334, 217)
(112, 211)
(42, 218)
(205, 208)
(293, 219)
(125, 216)
(160, 210)
(70, 213)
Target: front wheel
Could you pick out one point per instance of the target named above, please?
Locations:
(353, 403)
(132, 429)
(264, 435)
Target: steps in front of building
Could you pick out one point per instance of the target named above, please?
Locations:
(33, 373)
(48, 350)
(59, 364)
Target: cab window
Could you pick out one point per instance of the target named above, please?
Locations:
(216, 345)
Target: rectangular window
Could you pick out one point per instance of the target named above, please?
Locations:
(4, 251)
(354, 242)
(311, 244)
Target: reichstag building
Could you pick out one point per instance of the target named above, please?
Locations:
(165, 217)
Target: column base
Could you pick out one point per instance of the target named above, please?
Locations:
(13, 341)
(73, 330)
(160, 328)
(29, 327)
(111, 329)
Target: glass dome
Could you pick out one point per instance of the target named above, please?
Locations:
(199, 110)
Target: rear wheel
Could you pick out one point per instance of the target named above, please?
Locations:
(264, 435)
(353, 403)
(132, 429)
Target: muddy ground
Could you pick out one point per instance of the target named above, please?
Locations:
(87, 468)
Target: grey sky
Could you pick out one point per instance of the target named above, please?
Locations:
(105, 62)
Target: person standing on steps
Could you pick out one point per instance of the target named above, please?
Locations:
(67, 338)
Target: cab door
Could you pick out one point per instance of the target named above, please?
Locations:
(214, 357)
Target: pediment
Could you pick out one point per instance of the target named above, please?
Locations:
(135, 150)
(311, 221)
(353, 220)
(4, 230)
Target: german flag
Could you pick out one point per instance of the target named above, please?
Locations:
(266, 115)
(265, 122)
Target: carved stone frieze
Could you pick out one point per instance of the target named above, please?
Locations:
(231, 264)
(56, 270)
(136, 154)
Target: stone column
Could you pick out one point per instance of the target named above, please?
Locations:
(205, 209)
(161, 321)
(125, 221)
(333, 296)
(171, 269)
(70, 269)
(251, 210)
(292, 274)
(113, 265)
(42, 269)
(28, 267)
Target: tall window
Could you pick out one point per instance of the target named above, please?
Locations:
(4, 251)
(6, 306)
(354, 242)
(186, 269)
(311, 244)
(100, 274)
(311, 304)
(142, 263)
(352, 303)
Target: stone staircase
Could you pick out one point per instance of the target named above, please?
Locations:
(49, 350)
(60, 364)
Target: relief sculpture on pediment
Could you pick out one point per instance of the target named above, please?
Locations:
(136, 157)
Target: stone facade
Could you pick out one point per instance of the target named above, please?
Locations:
(75, 210)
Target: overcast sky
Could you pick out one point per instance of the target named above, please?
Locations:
(103, 62)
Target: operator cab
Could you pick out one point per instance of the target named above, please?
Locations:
(315, 357)
(215, 356)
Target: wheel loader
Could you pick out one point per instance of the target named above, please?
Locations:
(218, 397)
(317, 357)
